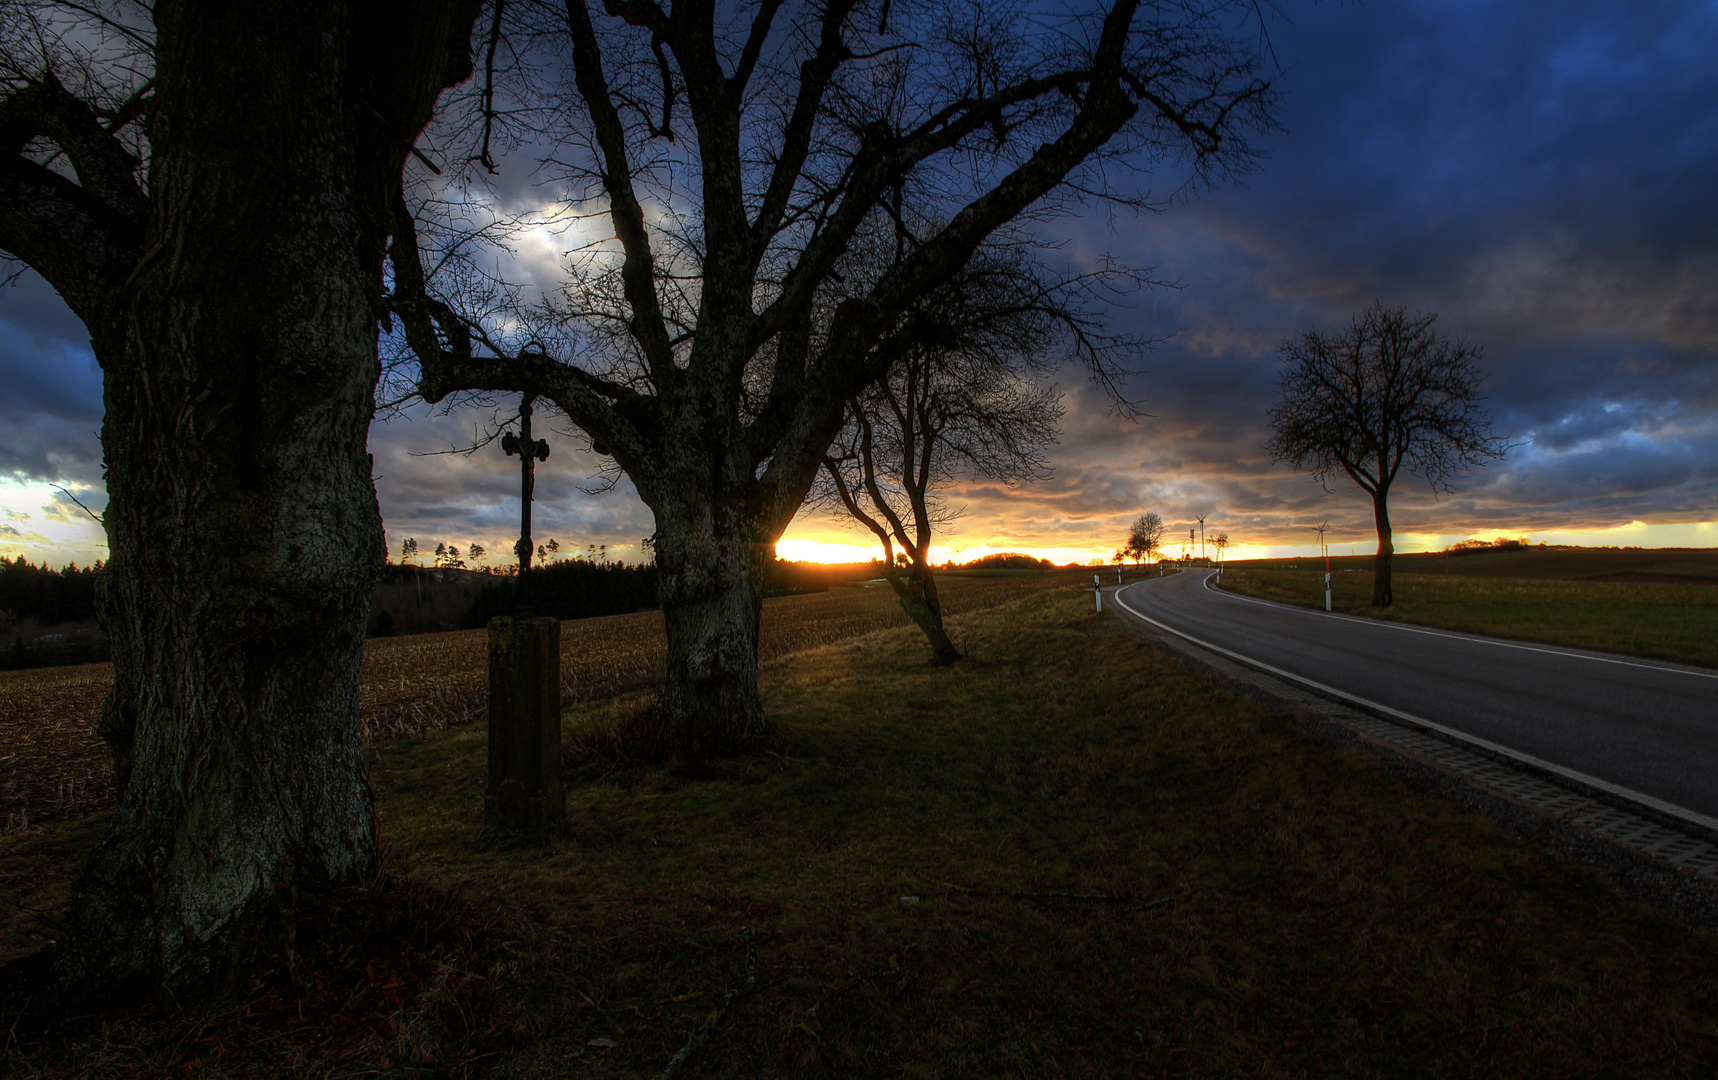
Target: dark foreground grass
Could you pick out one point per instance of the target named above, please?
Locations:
(1676, 622)
(1066, 856)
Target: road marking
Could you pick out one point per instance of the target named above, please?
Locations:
(1669, 668)
(1681, 813)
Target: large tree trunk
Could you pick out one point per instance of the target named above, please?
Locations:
(917, 591)
(709, 569)
(243, 528)
(1381, 594)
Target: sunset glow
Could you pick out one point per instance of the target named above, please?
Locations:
(1556, 233)
(41, 525)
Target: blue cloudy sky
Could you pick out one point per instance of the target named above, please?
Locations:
(1541, 175)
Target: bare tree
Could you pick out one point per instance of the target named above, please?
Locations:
(967, 400)
(1384, 395)
(1221, 543)
(208, 186)
(735, 158)
(1144, 536)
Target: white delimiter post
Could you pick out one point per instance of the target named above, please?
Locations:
(1097, 591)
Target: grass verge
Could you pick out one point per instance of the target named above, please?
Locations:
(1065, 856)
(1675, 622)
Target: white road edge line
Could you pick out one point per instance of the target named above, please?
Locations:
(1673, 669)
(1681, 813)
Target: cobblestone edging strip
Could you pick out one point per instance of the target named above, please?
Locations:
(1686, 844)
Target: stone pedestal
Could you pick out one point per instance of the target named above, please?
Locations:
(524, 803)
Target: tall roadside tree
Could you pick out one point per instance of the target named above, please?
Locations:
(967, 397)
(1144, 536)
(722, 160)
(1384, 395)
(208, 186)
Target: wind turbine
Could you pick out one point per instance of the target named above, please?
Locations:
(1201, 520)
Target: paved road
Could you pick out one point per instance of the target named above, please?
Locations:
(1646, 726)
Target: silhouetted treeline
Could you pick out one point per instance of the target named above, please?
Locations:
(575, 589)
(1010, 560)
(579, 589)
(1486, 547)
(48, 596)
(35, 597)
(792, 578)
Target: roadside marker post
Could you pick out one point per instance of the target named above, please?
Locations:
(1098, 591)
(1325, 548)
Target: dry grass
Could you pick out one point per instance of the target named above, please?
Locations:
(1279, 909)
(54, 766)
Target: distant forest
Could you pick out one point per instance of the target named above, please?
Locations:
(45, 595)
(33, 598)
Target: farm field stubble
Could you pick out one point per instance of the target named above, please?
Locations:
(1066, 856)
(54, 766)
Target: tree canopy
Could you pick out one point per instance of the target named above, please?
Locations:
(733, 165)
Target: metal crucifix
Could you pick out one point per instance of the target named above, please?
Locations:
(530, 452)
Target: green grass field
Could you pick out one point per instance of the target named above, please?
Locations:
(1555, 563)
(1118, 868)
(1675, 621)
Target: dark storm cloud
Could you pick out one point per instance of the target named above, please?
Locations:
(50, 388)
(1539, 174)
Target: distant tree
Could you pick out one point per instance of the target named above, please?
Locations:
(1221, 543)
(553, 546)
(1144, 537)
(477, 553)
(1384, 395)
(409, 549)
(441, 554)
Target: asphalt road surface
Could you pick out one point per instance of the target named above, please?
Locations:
(1647, 726)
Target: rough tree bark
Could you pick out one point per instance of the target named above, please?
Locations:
(710, 587)
(234, 313)
(1382, 596)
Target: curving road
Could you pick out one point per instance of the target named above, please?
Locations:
(1648, 728)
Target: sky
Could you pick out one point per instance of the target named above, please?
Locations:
(1538, 174)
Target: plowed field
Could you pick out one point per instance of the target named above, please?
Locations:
(53, 764)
